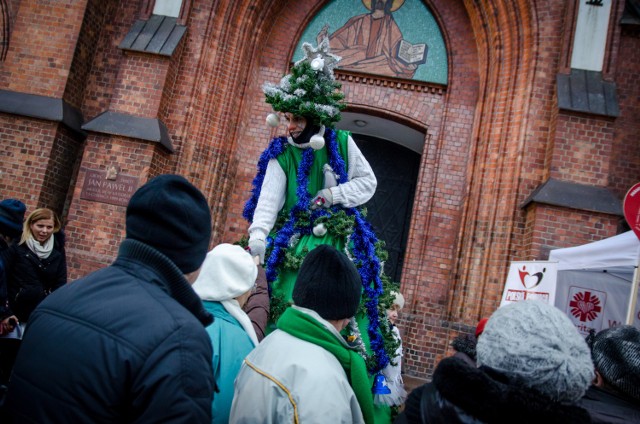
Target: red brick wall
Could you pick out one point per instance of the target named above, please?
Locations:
(589, 149)
(624, 163)
(551, 227)
(40, 156)
(106, 57)
(582, 147)
(95, 229)
(94, 20)
(138, 90)
(38, 159)
(40, 53)
(63, 158)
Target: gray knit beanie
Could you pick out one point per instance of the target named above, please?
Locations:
(616, 356)
(538, 345)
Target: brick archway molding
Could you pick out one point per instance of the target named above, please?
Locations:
(467, 189)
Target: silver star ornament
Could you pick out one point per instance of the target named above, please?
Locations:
(322, 51)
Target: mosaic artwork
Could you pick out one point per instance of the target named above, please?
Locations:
(395, 38)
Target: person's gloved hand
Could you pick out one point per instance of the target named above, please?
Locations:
(257, 247)
(324, 199)
(8, 324)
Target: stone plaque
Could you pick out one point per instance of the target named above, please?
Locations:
(116, 191)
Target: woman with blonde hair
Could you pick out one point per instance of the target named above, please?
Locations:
(36, 266)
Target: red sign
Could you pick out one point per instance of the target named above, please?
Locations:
(631, 207)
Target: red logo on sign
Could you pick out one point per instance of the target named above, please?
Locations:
(585, 306)
(530, 281)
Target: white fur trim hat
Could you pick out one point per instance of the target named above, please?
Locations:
(228, 271)
(398, 299)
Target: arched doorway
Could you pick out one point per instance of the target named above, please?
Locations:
(393, 151)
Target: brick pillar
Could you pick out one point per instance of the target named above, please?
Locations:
(42, 135)
(41, 51)
(128, 138)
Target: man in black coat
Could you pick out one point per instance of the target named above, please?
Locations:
(127, 343)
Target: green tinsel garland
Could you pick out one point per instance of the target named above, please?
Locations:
(277, 307)
(338, 224)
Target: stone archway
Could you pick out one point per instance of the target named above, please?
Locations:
(394, 151)
(389, 211)
(466, 154)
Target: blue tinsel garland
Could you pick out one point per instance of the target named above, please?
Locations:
(276, 147)
(363, 237)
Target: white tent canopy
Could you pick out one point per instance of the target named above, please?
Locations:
(620, 251)
(594, 281)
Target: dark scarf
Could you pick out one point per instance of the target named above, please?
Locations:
(306, 134)
(305, 327)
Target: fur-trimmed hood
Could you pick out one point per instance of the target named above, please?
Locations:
(461, 393)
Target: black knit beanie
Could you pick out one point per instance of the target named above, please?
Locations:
(171, 215)
(11, 217)
(616, 356)
(328, 283)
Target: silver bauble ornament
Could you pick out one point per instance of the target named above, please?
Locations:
(316, 142)
(273, 120)
(319, 230)
(317, 64)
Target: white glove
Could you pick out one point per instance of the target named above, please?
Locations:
(257, 247)
(324, 199)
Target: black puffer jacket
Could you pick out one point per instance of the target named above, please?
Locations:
(31, 279)
(461, 393)
(126, 344)
(4, 305)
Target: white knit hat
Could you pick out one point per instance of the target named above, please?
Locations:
(227, 272)
(398, 299)
(537, 345)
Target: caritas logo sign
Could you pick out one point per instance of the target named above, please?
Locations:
(586, 308)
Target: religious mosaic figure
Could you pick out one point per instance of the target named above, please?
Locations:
(307, 192)
(373, 43)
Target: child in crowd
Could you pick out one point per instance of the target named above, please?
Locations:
(392, 372)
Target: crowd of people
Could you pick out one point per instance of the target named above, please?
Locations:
(172, 333)
(299, 325)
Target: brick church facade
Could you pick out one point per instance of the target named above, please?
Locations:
(521, 151)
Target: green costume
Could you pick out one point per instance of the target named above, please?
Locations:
(289, 175)
(289, 161)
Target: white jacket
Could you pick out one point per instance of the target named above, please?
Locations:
(359, 189)
(288, 380)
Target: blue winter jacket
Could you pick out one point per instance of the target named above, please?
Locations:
(231, 344)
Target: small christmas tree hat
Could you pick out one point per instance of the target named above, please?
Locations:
(310, 90)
